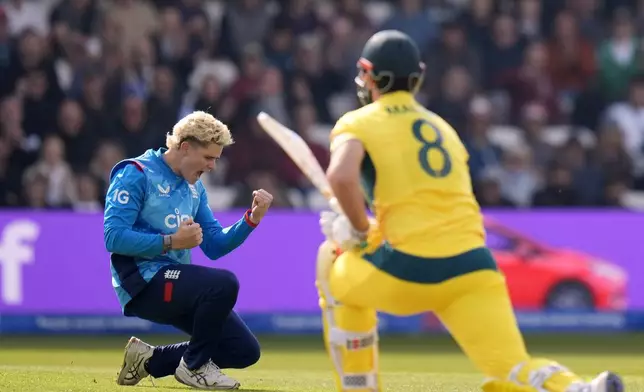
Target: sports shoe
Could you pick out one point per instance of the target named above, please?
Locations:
(137, 353)
(207, 377)
(605, 382)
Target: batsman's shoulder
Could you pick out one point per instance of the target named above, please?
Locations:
(349, 126)
(355, 117)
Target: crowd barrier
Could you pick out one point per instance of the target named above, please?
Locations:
(54, 272)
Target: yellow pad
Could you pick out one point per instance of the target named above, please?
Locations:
(350, 335)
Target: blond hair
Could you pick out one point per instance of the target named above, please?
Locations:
(200, 127)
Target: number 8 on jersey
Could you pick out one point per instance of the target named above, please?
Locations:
(431, 146)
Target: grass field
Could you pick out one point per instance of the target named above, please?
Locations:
(299, 364)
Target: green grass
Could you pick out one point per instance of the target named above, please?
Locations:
(290, 364)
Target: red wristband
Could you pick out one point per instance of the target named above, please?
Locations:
(247, 219)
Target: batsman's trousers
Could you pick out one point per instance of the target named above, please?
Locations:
(466, 292)
(199, 301)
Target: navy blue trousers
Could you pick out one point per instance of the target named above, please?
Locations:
(199, 301)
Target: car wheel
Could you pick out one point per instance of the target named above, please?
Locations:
(570, 296)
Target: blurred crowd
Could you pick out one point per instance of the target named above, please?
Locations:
(548, 95)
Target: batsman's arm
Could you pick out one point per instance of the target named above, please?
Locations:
(343, 174)
(218, 241)
(124, 200)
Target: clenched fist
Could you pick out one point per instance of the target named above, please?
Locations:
(261, 202)
(188, 236)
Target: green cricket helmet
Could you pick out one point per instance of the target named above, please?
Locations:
(392, 60)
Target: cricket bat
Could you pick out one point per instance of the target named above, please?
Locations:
(300, 153)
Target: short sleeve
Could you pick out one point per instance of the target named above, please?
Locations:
(344, 130)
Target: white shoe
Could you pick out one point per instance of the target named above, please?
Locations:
(605, 382)
(137, 353)
(208, 377)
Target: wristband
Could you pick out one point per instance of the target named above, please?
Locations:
(248, 221)
(167, 243)
(361, 235)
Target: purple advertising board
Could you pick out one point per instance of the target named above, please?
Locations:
(56, 263)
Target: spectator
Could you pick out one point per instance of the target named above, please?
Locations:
(245, 22)
(559, 191)
(191, 9)
(107, 155)
(7, 56)
(571, 56)
(172, 43)
(504, 53)
(478, 20)
(488, 192)
(26, 15)
(323, 83)
(628, 117)
(484, 155)
(79, 140)
(23, 148)
(344, 46)
(453, 49)
(355, 12)
(279, 46)
(518, 177)
(134, 127)
(531, 82)
(306, 122)
(612, 157)
(93, 103)
(35, 192)
(529, 19)
(272, 96)
(411, 18)
(587, 176)
(78, 17)
(88, 194)
(210, 98)
(534, 119)
(454, 97)
(10, 181)
(620, 57)
(40, 104)
(614, 192)
(589, 17)
(56, 174)
(135, 20)
(163, 104)
(301, 16)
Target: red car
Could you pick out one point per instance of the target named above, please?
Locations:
(541, 277)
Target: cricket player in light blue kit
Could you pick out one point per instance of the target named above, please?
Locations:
(156, 211)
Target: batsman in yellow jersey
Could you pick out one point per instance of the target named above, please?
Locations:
(424, 249)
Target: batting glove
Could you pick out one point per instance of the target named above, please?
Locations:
(337, 229)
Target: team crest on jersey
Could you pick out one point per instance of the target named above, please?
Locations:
(193, 190)
(164, 191)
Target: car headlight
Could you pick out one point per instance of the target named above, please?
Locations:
(608, 271)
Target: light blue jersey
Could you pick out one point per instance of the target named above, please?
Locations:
(147, 200)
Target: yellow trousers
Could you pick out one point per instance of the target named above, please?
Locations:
(466, 292)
